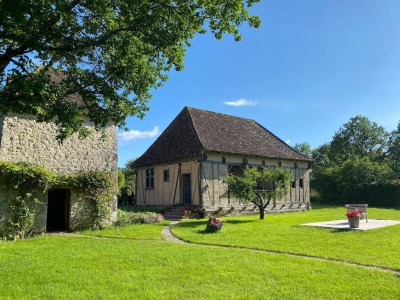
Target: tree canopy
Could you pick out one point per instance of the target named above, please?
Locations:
(361, 161)
(303, 148)
(110, 53)
(260, 186)
(359, 138)
(394, 150)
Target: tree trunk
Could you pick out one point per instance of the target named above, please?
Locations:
(261, 212)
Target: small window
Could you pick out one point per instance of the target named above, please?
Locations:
(166, 175)
(223, 159)
(245, 161)
(293, 184)
(280, 164)
(263, 162)
(266, 185)
(149, 178)
(301, 182)
(269, 185)
(295, 165)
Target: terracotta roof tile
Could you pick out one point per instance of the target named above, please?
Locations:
(195, 130)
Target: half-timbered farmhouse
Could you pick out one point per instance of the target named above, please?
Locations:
(187, 164)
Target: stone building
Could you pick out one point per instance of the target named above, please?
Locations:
(22, 139)
(187, 164)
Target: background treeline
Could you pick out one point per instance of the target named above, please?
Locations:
(360, 165)
(127, 185)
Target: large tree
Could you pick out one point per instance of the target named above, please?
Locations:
(110, 52)
(394, 150)
(303, 148)
(127, 185)
(359, 138)
(260, 186)
(354, 160)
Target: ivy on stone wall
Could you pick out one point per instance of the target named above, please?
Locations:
(98, 188)
(26, 177)
(20, 225)
(25, 181)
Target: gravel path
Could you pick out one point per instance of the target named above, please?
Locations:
(166, 232)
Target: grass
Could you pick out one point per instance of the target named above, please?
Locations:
(134, 232)
(71, 267)
(283, 233)
(134, 262)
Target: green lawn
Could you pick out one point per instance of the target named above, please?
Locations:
(283, 233)
(60, 267)
(134, 232)
(124, 265)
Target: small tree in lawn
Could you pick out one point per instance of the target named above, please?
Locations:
(260, 186)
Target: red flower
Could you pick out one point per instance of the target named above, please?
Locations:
(353, 214)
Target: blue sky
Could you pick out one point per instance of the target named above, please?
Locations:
(311, 66)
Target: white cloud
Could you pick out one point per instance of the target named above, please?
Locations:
(241, 102)
(288, 141)
(136, 134)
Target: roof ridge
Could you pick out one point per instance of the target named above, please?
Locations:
(218, 113)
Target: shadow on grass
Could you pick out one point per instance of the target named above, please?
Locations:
(204, 231)
(240, 221)
(327, 229)
(190, 224)
(317, 206)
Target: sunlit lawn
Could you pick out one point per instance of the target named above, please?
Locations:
(283, 233)
(135, 262)
(75, 267)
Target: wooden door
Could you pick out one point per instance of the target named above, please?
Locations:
(186, 189)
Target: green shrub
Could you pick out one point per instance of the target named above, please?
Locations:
(128, 218)
(22, 217)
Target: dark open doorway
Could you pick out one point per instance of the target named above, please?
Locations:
(58, 210)
(186, 189)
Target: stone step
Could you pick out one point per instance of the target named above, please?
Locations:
(171, 214)
(173, 217)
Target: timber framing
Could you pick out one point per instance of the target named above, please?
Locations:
(202, 147)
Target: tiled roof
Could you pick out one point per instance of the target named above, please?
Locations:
(58, 77)
(195, 130)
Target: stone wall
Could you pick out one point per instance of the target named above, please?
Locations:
(80, 211)
(40, 210)
(24, 139)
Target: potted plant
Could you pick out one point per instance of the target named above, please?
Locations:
(214, 225)
(353, 218)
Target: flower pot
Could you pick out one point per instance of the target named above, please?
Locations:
(354, 222)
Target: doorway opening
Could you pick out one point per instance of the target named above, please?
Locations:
(58, 210)
(186, 189)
